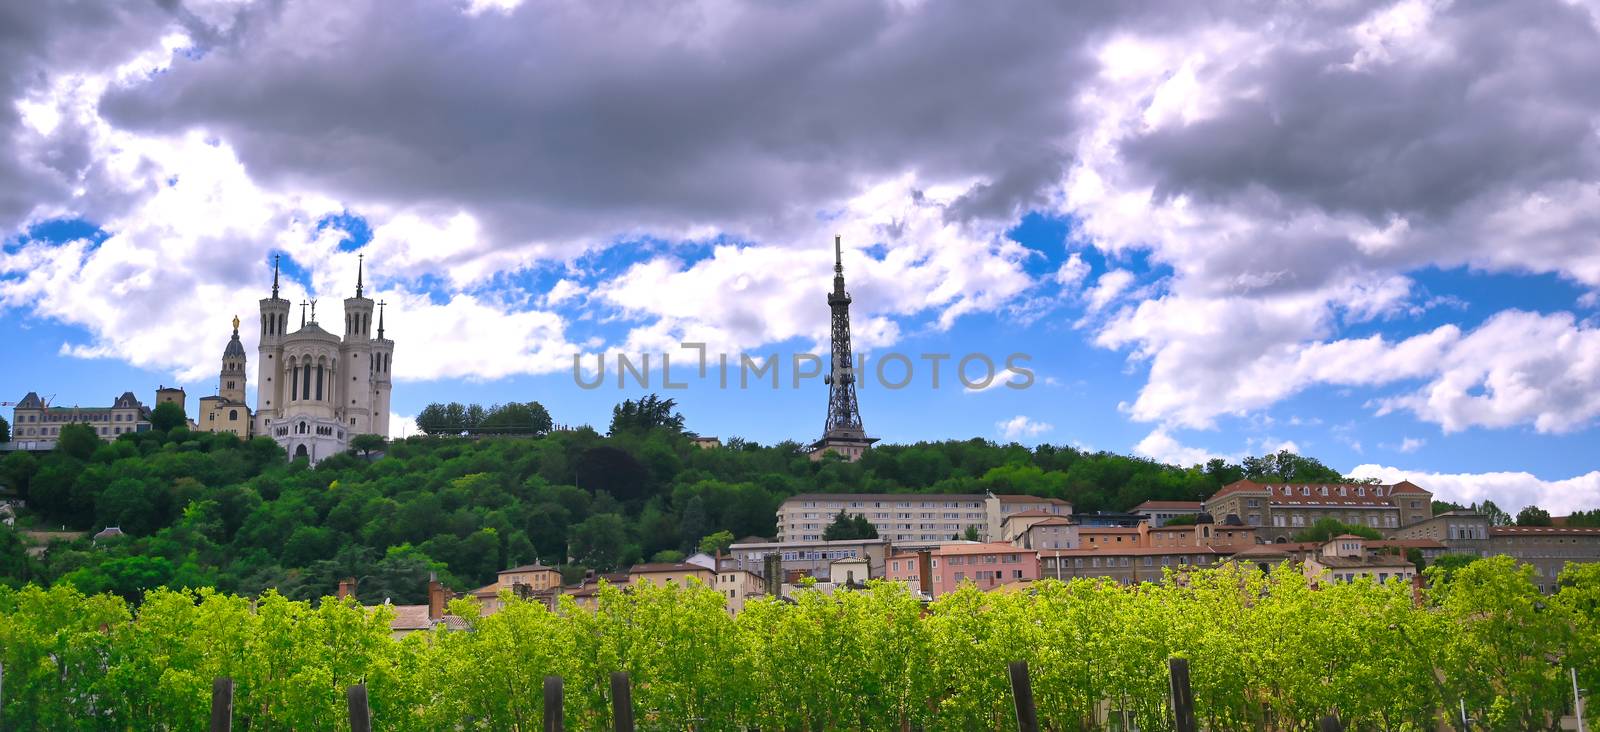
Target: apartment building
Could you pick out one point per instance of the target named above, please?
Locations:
(909, 518)
(986, 565)
(1158, 513)
(530, 582)
(811, 558)
(1127, 562)
(34, 421)
(738, 585)
(1549, 549)
(1280, 510)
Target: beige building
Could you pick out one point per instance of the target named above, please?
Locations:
(1124, 562)
(35, 422)
(1346, 558)
(910, 518)
(1278, 511)
(226, 411)
(738, 586)
(530, 582)
(1548, 548)
(678, 573)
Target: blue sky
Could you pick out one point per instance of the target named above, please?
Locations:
(1232, 231)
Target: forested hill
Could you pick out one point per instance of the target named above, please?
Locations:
(208, 509)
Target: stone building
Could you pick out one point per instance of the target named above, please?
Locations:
(33, 421)
(911, 518)
(317, 390)
(1278, 511)
(1346, 558)
(226, 410)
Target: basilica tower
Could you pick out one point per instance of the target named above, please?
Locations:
(843, 432)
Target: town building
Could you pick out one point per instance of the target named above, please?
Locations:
(810, 558)
(1128, 562)
(678, 573)
(226, 410)
(316, 390)
(986, 565)
(1158, 513)
(911, 518)
(1549, 549)
(1463, 532)
(1280, 510)
(842, 432)
(738, 585)
(37, 425)
(1346, 558)
(529, 582)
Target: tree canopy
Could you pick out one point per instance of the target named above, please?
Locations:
(849, 526)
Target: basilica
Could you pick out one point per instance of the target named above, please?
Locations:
(316, 390)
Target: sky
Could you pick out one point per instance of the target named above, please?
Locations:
(1367, 232)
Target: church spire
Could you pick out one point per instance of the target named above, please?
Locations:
(275, 276)
(380, 318)
(359, 262)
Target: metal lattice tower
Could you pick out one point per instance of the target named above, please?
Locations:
(844, 416)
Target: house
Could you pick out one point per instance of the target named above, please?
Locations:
(942, 569)
(738, 586)
(530, 582)
(813, 557)
(409, 619)
(679, 573)
(1345, 558)
(1158, 513)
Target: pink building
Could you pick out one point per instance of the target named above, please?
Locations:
(986, 565)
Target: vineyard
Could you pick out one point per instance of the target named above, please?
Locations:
(1266, 651)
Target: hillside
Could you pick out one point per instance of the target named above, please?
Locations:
(210, 510)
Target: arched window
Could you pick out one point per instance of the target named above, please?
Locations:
(233, 414)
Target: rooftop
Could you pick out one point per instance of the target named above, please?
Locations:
(1543, 531)
(535, 567)
(885, 497)
(656, 567)
(1180, 505)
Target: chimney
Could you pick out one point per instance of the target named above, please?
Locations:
(925, 571)
(435, 599)
(347, 587)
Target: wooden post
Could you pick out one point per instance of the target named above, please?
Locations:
(1182, 696)
(621, 702)
(1022, 695)
(222, 704)
(552, 704)
(360, 713)
(1330, 723)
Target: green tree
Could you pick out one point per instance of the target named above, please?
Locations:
(971, 534)
(5, 430)
(529, 419)
(649, 413)
(716, 542)
(598, 541)
(1327, 528)
(168, 416)
(77, 440)
(1496, 516)
(847, 526)
(367, 444)
(1533, 516)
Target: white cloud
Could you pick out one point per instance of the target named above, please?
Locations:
(1072, 272)
(1107, 288)
(1411, 444)
(401, 426)
(1020, 427)
(1509, 490)
(1163, 447)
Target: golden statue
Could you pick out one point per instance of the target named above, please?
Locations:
(236, 324)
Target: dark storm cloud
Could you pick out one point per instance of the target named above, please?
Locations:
(40, 42)
(1491, 97)
(561, 120)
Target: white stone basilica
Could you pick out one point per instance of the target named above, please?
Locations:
(316, 390)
